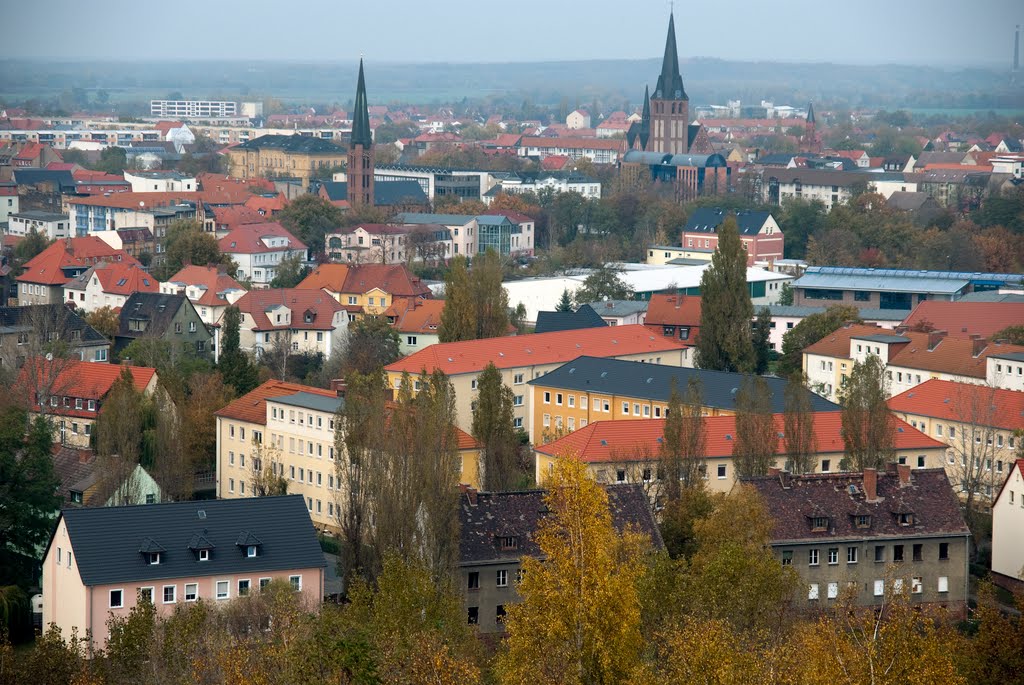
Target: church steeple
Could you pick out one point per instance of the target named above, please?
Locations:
(810, 112)
(645, 120)
(361, 133)
(670, 82)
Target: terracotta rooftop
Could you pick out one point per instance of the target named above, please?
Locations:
(965, 402)
(250, 239)
(320, 305)
(394, 279)
(85, 380)
(959, 356)
(673, 310)
(116, 278)
(252, 406)
(415, 315)
(963, 319)
(48, 266)
(213, 280)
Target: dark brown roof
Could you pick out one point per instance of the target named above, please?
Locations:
(487, 516)
(793, 500)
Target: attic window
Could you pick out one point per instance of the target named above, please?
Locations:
(204, 555)
(819, 523)
(863, 521)
(906, 519)
(251, 551)
(122, 281)
(154, 559)
(509, 542)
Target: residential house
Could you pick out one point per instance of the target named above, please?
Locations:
(629, 451)
(209, 289)
(258, 249)
(597, 150)
(547, 181)
(921, 207)
(583, 317)
(1004, 367)
(590, 388)
(71, 393)
(101, 562)
(870, 534)
(675, 316)
(139, 243)
(578, 118)
(498, 529)
(49, 224)
(964, 319)
(979, 425)
(170, 319)
(28, 331)
(82, 483)
(108, 284)
(620, 312)
(417, 321)
(786, 317)
(9, 201)
(388, 244)
(828, 186)
(44, 276)
(1007, 529)
(762, 238)
(366, 288)
(160, 181)
(305, 321)
(295, 156)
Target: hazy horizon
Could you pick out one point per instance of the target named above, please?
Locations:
(871, 32)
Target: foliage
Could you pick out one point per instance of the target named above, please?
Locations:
(579, 621)
(174, 364)
(31, 245)
(798, 431)
(235, 367)
(310, 217)
(105, 320)
(564, 302)
(868, 424)
(995, 654)
(476, 304)
(604, 283)
(290, 272)
(119, 438)
(810, 330)
(786, 294)
(761, 340)
(725, 342)
(113, 160)
(207, 393)
(492, 427)
(756, 435)
(187, 243)
(372, 344)
(1011, 334)
(682, 447)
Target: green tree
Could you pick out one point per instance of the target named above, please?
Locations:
(725, 341)
(604, 283)
(457, 315)
(565, 302)
(188, 243)
(1011, 334)
(290, 272)
(492, 427)
(32, 244)
(113, 160)
(476, 304)
(105, 320)
(762, 340)
(798, 432)
(809, 331)
(756, 434)
(683, 444)
(868, 424)
(372, 344)
(235, 366)
(119, 430)
(310, 217)
(786, 295)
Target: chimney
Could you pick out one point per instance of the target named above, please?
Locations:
(977, 346)
(84, 456)
(904, 473)
(339, 385)
(469, 492)
(934, 338)
(870, 485)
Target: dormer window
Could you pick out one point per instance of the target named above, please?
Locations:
(249, 544)
(509, 542)
(906, 519)
(863, 521)
(152, 551)
(154, 559)
(204, 555)
(819, 523)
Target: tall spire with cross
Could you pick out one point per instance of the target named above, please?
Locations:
(361, 161)
(670, 107)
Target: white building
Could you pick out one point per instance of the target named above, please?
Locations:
(1008, 526)
(9, 201)
(577, 119)
(53, 226)
(786, 317)
(559, 183)
(160, 182)
(299, 320)
(258, 249)
(197, 109)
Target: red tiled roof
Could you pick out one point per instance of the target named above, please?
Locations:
(609, 441)
(837, 343)
(89, 175)
(215, 281)
(574, 143)
(415, 314)
(47, 267)
(554, 162)
(951, 355)
(963, 319)
(252, 406)
(247, 239)
(165, 126)
(963, 402)
(85, 380)
(298, 300)
(267, 205)
(394, 279)
(30, 151)
(673, 310)
(465, 440)
(533, 349)
(231, 216)
(140, 201)
(117, 278)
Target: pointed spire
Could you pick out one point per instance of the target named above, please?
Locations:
(361, 133)
(810, 112)
(645, 120)
(670, 83)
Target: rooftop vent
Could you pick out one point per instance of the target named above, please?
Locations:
(201, 513)
(728, 436)
(604, 443)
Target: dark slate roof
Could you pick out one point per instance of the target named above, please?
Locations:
(908, 201)
(654, 382)
(157, 308)
(107, 540)
(619, 307)
(708, 219)
(361, 133)
(55, 315)
(487, 516)
(792, 500)
(810, 113)
(311, 401)
(670, 82)
(61, 179)
(385, 193)
(336, 190)
(584, 317)
(292, 143)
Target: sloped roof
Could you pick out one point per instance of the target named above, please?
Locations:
(248, 239)
(157, 308)
(252, 406)
(907, 201)
(106, 540)
(56, 317)
(641, 439)
(231, 216)
(673, 310)
(87, 380)
(293, 144)
(211, 279)
(116, 278)
(963, 402)
(469, 356)
(708, 219)
(583, 317)
(962, 319)
(837, 343)
(486, 517)
(792, 500)
(385, 193)
(950, 355)
(415, 314)
(395, 279)
(256, 303)
(48, 266)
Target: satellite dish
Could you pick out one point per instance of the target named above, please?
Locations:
(49, 356)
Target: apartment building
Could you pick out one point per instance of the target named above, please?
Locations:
(194, 109)
(44, 276)
(258, 249)
(108, 284)
(1008, 529)
(292, 156)
(300, 320)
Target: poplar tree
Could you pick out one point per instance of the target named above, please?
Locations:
(761, 340)
(476, 304)
(457, 317)
(725, 342)
(683, 443)
(492, 427)
(234, 364)
(868, 430)
(756, 436)
(799, 426)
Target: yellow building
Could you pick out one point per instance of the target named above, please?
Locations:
(365, 288)
(289, 429)
(293, 156)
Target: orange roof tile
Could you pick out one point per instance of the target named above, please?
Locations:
(214, 281)
(471, 356)
(85, 380)
(415, 314)
(609, 441)
(963, 402)
(231, 216)
(329, 276)
(255, 303)
(117, 278)
(48, 266)
(394, 279)
(248, 239)
(673, 310)
(465, 440)
(252, 406)
(573, 143)
(963, 319)
(951, 355)
(837, 343)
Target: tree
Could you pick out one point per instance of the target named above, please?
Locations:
(31, 245)
(579, 621)
(235, 366)
(310, 217)
(762, 340)
(113, 160)
(372, 344)
(492, 427)
(786, 294)
(457, 315)
(476, 304)
(207, 393)
(518, 318)
(868, 426)
(188, 243)
(565, 302)
(798, 431)
(683, 444)
(118, 439)
(995, 653)
(604, 283)
(290, 272)
(1011, 334)
(756, 436)
(105, 320)
(267, 470)
(973, 448)
(809, 331)
(725, 341)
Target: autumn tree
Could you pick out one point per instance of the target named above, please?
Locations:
(972, 448)
(310, 217)
(798, 431)
(267, 478)
(994, 653)
(456, 317)
(206, 394)
(105, 320)
(579, 621)
(289, 272)
(725, 342)
(372, 344)
(235, 367)
(868, 426)
(118, 439)
(683, 444)
(810, 330)
(604, 283)
(756, 435)
(476, 304)
(492, 427)
(187, 243)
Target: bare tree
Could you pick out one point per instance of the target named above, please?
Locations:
(799, 426)
(756, 436)
(172, 462)
(46, 353)
(972, 446)
(683, 443)
(267, 470)
(868, 433)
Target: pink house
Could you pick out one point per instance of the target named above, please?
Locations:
(101, 562)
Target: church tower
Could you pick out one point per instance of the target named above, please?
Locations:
(639, 133)
(360, 150)
(670, 106)
(810, 142)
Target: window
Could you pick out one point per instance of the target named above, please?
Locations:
(295, 582)
(943, 584)
(501, 578)
(145, 595)
(116, 599)
(558, 399)
(191, 592)
(251, 551)
(787, 557)
(243, 587)
(547, 398)
(833, 556)
(170, 592)
(721, 471)
(897, 552)
(916, 585)
(812, 557)
(906, 519)
(943, 551)
(264, 582)
(473, 616)
(879, 588)
(154, 558)
(223, 589)
(826, 464)
(625, 408)
(499, 614)
(879, 553)
(517, 379)
(620, 476)
(863, 520)
(473, 580)
(517, 401)
(812, 591)
(917, 552)
(819, 523)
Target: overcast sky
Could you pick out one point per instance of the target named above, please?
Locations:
(940, 32)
